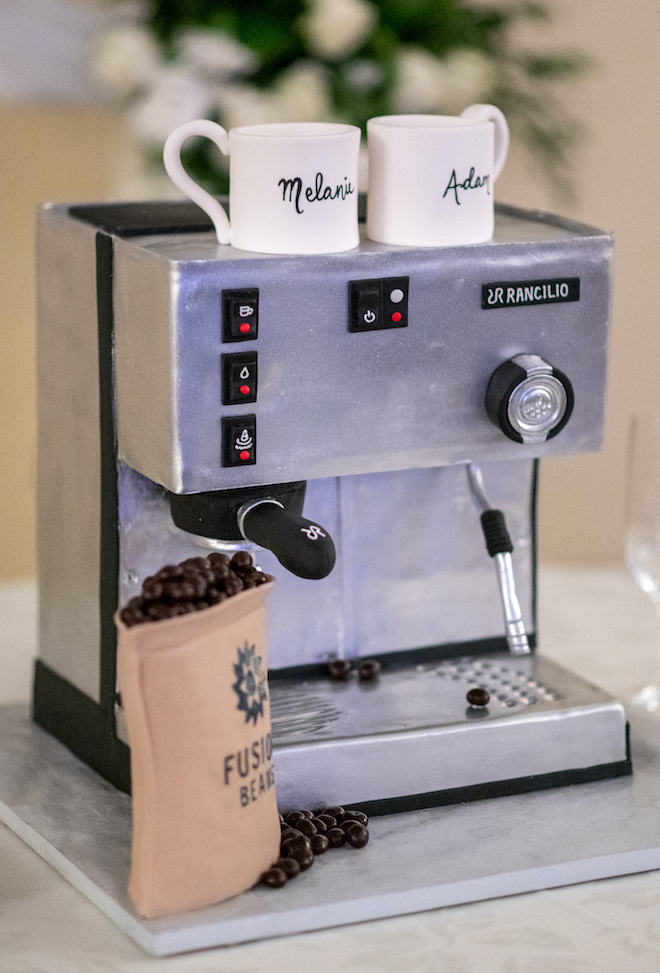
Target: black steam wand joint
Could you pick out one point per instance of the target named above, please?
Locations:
(300, 545)
(500, 547)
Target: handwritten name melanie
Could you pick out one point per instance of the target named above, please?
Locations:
(472, 182)
(313, 194)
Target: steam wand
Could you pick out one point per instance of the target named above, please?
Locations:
(499, 546)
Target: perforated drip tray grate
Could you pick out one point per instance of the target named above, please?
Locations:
(412, 732)
(508, 683)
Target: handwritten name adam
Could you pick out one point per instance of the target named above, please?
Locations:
(313, 194)
(471, 182)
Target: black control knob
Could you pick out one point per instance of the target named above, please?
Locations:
(529, 399)
(300, 545)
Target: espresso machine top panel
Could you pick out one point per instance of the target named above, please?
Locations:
(235, 369)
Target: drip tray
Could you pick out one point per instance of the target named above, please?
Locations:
(410, 740)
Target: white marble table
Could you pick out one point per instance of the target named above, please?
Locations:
(596, 623)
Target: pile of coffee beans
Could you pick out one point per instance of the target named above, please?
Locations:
(339, 670)
(196, 583)
(309, 833)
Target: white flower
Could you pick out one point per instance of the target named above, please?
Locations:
(421, 81)
(470, 78)
(176, 96)
(334, 29)
(245, 105)
(216, 53)
(302, 93)
(127, 59)
(362, 75)
(426, 83)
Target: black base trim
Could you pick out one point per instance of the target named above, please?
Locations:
(500, 788)
(81, 725)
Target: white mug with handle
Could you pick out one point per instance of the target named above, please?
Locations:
(431, 177)
(292, 186)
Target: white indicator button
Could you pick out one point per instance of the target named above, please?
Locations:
(397, 295)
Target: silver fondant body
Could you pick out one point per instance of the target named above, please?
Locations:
(381, 425)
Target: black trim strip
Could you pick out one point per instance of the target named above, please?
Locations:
(81, 725)
(500, 788)
(109, 500)
(534, 544)
(164, 216)
(404, 658)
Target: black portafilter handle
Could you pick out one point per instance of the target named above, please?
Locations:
(301, 546)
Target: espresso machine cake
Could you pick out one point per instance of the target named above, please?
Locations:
(357, 421)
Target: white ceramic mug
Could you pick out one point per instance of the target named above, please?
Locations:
(431, 177)
(292, 186)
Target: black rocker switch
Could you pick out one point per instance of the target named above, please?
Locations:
(239, 377)
(366, 305)
(240, 314)
(378, 304)
(239, 440)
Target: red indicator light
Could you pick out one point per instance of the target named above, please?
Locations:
(396, 316)
(244, 454)
(244, 328)
(244, 390)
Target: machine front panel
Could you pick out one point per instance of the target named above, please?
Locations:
(324, 400)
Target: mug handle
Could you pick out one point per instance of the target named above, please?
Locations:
(489, 113)
(180, 178)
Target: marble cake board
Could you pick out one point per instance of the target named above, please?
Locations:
(414, 861)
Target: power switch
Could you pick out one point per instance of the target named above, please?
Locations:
(239, 440)
(239, 377)
(240, 314)
(366, 305)
(378, 304)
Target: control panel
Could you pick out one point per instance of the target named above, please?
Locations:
(286, 368)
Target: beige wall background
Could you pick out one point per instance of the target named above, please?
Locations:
(59, 153)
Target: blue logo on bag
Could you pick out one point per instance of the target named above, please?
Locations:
(250, 685)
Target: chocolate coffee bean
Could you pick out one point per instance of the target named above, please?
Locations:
(131, 616)
(289, 866)
(320, 844)
(293, 849)
(221, 570)
(478, 696)
(357, 835)
(233, 584)
(339, 670)
(194, 562)
(335, 812)
(320, 825)
(305, 860)
(156, 611)
(358, 816)
(293, 816)
(336, 837)
(327, 819)
(368, 670)
(152, 590)
(241, 561)
(169, 571)
(274, 878)
(306, 827)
